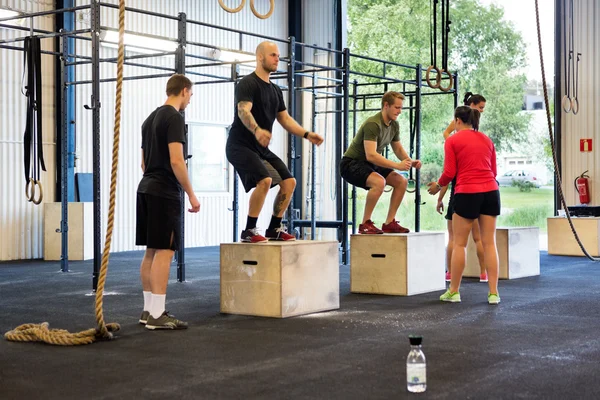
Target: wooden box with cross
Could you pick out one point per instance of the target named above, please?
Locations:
(280, 279)
(397, 264)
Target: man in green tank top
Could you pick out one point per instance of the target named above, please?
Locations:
(364, 165)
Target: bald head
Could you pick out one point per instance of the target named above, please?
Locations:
(267, 56)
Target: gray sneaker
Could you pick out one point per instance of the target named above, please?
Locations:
(144, 317)
(165, 321)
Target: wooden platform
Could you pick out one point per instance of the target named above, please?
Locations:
(280, 279)
(518, 253)
(397, 264)
(81, 231)
(561, 241)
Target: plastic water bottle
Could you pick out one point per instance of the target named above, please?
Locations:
(416, 367)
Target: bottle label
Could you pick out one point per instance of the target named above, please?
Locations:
(416, 373)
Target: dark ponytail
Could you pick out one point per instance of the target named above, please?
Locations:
(468, 116)
(471, 98)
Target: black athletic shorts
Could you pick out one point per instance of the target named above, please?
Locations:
(472, 205)
(356, 172)
(253, 167)
(450, 208)
(158, 220)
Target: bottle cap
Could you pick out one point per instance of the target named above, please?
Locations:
(415, 340)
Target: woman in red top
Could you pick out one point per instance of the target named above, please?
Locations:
(470, 156)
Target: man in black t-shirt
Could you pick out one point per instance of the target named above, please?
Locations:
(158, 216)
(259, 102)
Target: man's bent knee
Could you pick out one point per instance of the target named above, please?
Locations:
(288, 185)
(264, 184)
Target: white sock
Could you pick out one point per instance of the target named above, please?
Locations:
(147, 300)
(157, 308)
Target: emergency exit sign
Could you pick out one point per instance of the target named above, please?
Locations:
(585, 145)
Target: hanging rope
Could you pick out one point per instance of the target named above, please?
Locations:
(42, 332)
(433, 44)
(550, 133)
(254, 11)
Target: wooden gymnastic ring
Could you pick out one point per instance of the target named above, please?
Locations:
(407, 185)
(262, 16)
(232, 10)
(450, 85)
(438, 77)
(574, 105)
(41, 197)
(30, 190)
(569, 103)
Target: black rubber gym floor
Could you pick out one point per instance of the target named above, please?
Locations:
(542, 341)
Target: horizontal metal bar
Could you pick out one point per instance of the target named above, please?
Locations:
(383, 83)
(325, 78)
(143, 35)
(274, 39)
(228, 78)
(310, 90)
(137, 10)
(329, 112)
(23, 28)
(51, 53)
(211, 82)
(386, 78)
(306, 223)
(334, 68)
(113, 59)
(413, 67)
(314, 46)
(42, 13)
(44, 36)
(129, 78)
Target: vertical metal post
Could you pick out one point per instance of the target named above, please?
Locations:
(558, 88)
(64, 160)
(291, 82)
(235, 74)
(95, 107)
(180, 68)
(344, 144)
(313, 164)
(69, 25)
(418, 119)
(354, 125)
(455, 91)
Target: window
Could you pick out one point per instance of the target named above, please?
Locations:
(512, 162)
(521, 162)
(529, 162)
(538, 105)
(208, 167)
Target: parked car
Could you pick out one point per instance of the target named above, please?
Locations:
(508, 177)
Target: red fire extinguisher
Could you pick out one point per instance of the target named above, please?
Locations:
(582, 187)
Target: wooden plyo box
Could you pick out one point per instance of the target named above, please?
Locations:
(561, 241)
(81, 231)
(397, 264)
(518, 253)
(280, 279)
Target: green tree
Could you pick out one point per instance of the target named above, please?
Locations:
(485, 50)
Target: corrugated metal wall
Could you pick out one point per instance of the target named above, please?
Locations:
(586, 124)
(21, 227)
(21, 222)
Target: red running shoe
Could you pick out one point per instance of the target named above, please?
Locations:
(394, 227)
(368, 228)
(252, 236)
(279, 234)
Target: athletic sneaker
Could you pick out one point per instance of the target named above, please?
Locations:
(394, 227)
(450, 297)
(144, 317)
(493, 298)
(483, 277)
(279, 234)
(165, 321)
(252, 236)
(448, 277)
(368, 228)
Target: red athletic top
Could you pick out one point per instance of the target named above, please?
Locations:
(470, 156)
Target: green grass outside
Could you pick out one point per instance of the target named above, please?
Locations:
(519, 209)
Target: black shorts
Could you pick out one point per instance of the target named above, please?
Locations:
(253, 167)
(356, 172)
(472, 205)
(158, 220)
(450, 208)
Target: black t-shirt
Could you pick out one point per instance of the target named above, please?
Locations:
(165, 125)
(267, 101)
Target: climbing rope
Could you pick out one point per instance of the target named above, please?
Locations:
(42, 332)
(556, 169)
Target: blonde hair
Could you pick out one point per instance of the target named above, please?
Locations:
(390, 98)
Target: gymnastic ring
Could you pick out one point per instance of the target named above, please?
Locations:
(438, 77)
(30, 190)
(574, 105)
(262, 16)
(447, 89)
(569, 103)
(232, 10)
(41, 196)
(409, 181)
